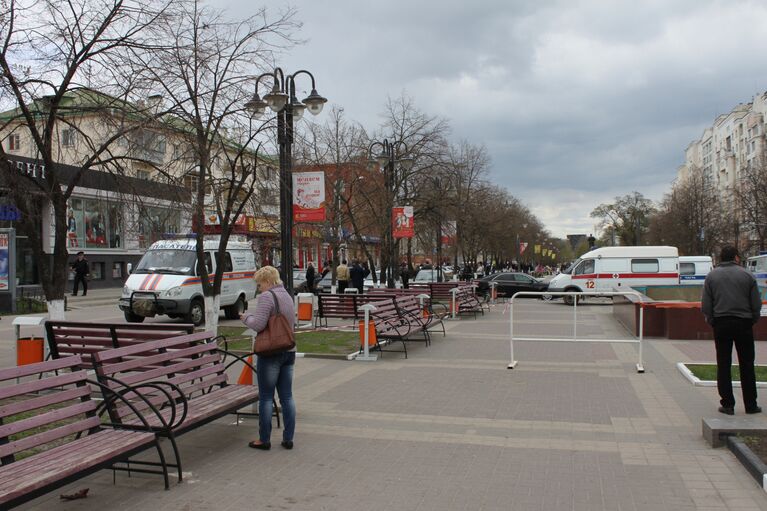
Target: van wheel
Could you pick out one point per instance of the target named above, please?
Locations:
(572, 300)
(133, 318)
(196, 314)
(234, 310)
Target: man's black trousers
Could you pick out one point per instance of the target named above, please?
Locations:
(80, 278)
(729, 330)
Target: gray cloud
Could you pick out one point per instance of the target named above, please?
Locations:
(576, 101)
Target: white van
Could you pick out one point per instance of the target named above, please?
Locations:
(758, 266)
(693, 269)
(619, 268)
(165, 281)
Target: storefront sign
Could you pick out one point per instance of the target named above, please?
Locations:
(308, 196)
(30, 168)
(4, 260)
(403, 225)
(9, 213)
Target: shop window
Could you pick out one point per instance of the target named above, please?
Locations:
(97, 271)
(117, 270)
(94, 223)
(154, 223)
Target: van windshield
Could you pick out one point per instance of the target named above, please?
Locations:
(569, 269)
(177, 262)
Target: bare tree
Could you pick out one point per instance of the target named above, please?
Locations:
(206, 72)
(629, 216)
(51, 51)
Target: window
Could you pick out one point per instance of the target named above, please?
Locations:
(154, 222)
(644, 265)
(117, 270)
(94, 223)
(14, 142)
(523, 278)
(227, 261)
(687, 268)
(142, 174)
(68, 137)
(208, 263)
(585, 267)
(97, 271)
(505, 277)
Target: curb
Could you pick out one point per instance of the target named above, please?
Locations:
(751, 461)
(682, 367)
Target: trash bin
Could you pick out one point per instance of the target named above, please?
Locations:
(29, 350)
(305, 306)
(372, 338)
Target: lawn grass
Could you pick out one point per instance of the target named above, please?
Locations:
(314, 341)
(708, 372)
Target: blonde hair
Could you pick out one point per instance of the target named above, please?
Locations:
(267, 275)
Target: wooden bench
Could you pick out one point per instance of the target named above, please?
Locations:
(51, 434)
(422, 312)
(465, 298)
(191, 380)
(343, 306)
(392, 325)
(67, 338)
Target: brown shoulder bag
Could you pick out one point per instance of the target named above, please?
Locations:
(278, 335)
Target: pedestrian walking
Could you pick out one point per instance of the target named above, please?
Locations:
(342, 276)
(82, 273)
(275, 371)
(357, 276)
(731, 304)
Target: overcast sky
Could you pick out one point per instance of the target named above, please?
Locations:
(576, 101)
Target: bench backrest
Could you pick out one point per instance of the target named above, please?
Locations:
(45, 409)
(410, 304)
(191, 362)
(67, 338)
(346, 306)
(440, 291)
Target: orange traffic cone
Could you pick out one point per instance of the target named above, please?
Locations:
(246, 376)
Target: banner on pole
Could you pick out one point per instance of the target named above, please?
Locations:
(522, 247)
(402, 222)
(4, 261)
(308, 196)
(537, 249)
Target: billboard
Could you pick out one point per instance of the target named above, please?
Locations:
(308, 196)
(402, 222)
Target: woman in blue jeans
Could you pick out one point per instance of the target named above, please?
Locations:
(275, 371)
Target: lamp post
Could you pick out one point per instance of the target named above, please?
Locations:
(391, 158)
(282, 100)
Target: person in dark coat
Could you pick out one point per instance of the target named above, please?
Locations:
(82, 272)
(357, 275)
(732, 305)
(405, 274)
(310, 274)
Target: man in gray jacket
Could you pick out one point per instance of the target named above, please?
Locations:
(731, 304)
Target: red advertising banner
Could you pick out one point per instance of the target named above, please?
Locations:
(402, 223)
(308, 196)
(522, 247)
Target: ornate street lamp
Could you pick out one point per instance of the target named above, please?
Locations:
(392, 158)
(282, 100)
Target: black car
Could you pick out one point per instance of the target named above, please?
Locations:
(508, 283)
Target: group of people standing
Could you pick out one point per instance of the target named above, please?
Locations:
(346, 276)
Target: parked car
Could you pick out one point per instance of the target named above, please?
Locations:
(325, 283)
(428, 275)
(299, 281)
(508, 283)
(368, 283)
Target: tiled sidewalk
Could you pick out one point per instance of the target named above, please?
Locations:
(573, 427)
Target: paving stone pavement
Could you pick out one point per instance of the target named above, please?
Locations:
(573, 427)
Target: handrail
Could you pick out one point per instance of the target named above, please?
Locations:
(574, 338)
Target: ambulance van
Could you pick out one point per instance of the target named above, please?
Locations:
(165, 281)
(693, 269)
(617, 269)
(758, 266)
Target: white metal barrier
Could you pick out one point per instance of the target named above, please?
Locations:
(574, 338)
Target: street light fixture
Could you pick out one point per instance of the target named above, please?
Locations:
(282, 100)
(391, 157)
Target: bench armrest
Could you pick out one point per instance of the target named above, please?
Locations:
(110, 396)
(175, 418)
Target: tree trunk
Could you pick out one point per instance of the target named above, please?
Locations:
(212, 308)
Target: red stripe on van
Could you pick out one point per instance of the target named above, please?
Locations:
(143, 283)
(628, 276)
